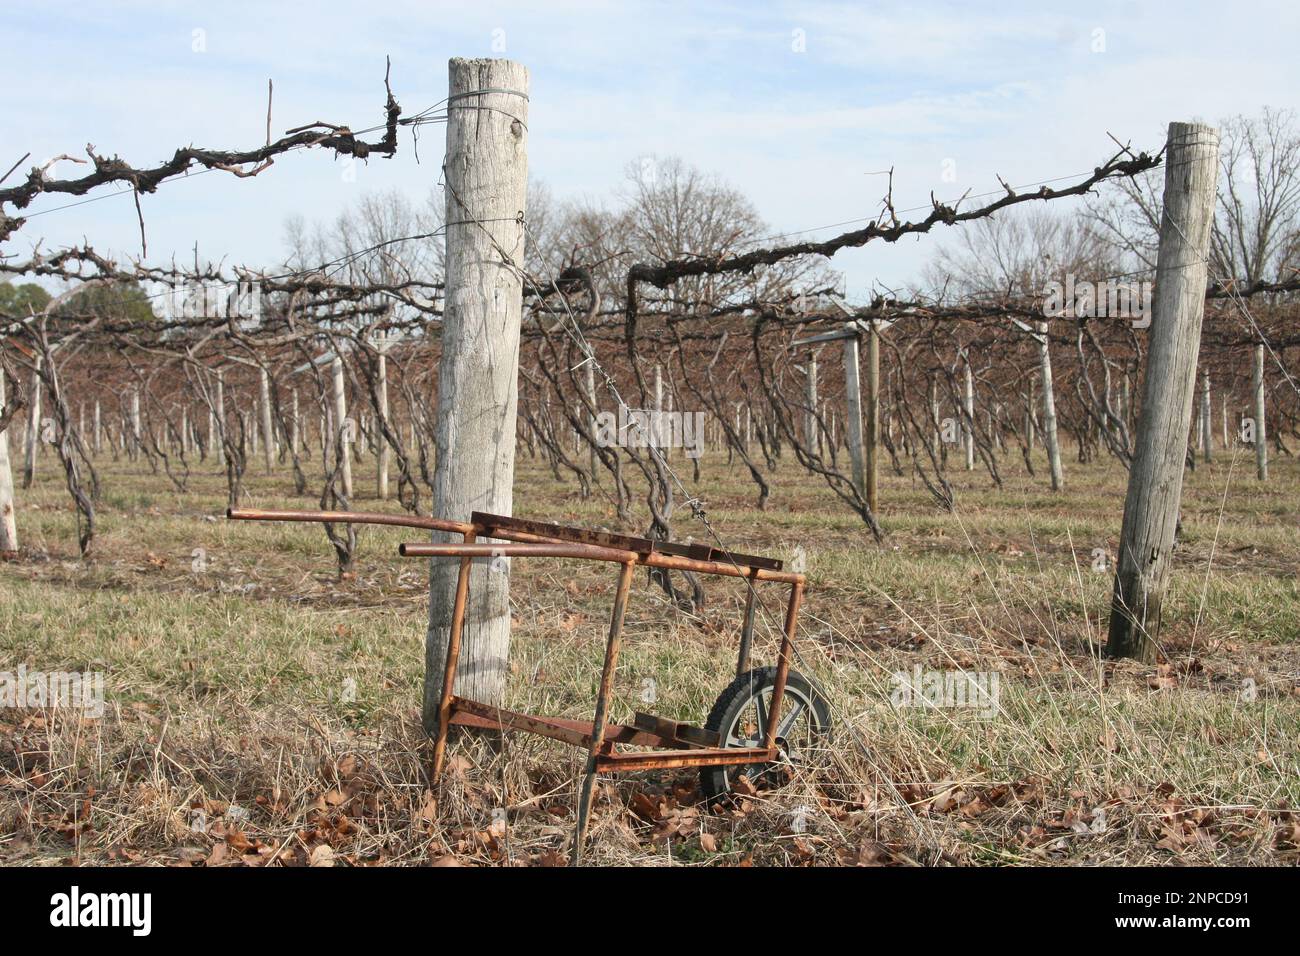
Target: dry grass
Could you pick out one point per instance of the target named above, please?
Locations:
(231, 737)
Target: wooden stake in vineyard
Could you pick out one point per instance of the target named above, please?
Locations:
(8, 526)
(486, 174)
(968, 404)
(1261, 433)
(343, 429)
(861, 425)
(871, 445)
(1050, 440)
(268, 432)
(1207, 420)
(381, 393)
(1156, 477)
(137, 435)
(295, 429)
(853, 433)
(33, 436)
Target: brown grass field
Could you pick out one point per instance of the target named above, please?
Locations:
(232, 736)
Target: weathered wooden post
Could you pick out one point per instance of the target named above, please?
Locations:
(1050, 440)
(1257, 386)
(343, 436)
(853, 432)
(589, 384)
(969, 406)
(252, 428)
(936, 438)
(656, 428)
(8, 523)
(1207, 420)
(99, 428)
(872, 434)
(383, 452)
(1029, 417)
(812, 434)
(486, 173)
(33, 436)
(861, 427)
(1156, 475)
(221, 405)
(137, 432)
(268, 429)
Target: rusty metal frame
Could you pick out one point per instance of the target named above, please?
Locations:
(677, 745)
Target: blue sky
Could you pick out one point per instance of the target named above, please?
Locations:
(1017, 89)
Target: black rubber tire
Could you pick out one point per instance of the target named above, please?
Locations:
(732, 702)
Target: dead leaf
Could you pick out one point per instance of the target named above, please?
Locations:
(323, 855)
(428, 811)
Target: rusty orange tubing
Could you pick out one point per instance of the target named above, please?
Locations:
(783, 665)
(603, 694)
(350, 517)
(653, 559)
(452, 660)
(424, 549)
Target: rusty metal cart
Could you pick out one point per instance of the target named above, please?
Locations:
(760, 726)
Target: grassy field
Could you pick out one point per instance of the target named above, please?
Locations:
(260, 711)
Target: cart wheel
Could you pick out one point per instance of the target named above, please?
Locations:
(740, 716)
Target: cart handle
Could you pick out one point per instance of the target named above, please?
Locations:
(351, 517)
(590, 551)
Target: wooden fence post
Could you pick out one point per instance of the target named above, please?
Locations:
(1156, 475)
(968, 404)
(137, 430)
(872, 431)
(8, 524)
(656, 428)
(295, 429)
(589, 385)
(383, 452)
(1207, 420)
(268, 428)
(33, 435)
(1261, 433)
(1051, 441)
(812, 434)
(344, 434)
(853, 431)
(486, 173)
